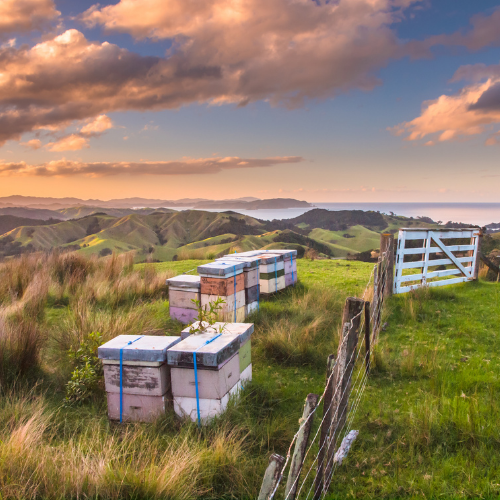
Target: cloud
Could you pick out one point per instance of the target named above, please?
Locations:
(472, 111)
(25, 15)
(188, 166)
(222, 51)
(32, 144)
(72, 142)
(97, 126)
(484, 32)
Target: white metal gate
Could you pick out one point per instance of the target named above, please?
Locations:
(438, 260)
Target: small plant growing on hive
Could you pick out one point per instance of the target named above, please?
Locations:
(207, 316)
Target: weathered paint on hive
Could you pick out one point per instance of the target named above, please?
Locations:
(270, 268)
(146, 348)
(245, 355)
(183, 315)
(212, 384)
(229, 301)
(136, 408)
(251, 294)
(242, 330)
(209, 408)
(290, 279)
(269, 286)
(273, 274)
(177, 298)
(145, 380)
(222, 286)
(211, 355)
(220, 268)
(251, 308)
(289, 267)
(184, 281)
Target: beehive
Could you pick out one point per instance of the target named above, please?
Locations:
(224, 280)
(218, 369)
(251, 280)
(183, 290)
(145, 381)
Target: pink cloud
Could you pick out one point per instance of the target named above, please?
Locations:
(72, 142)
(32, 144)
(97, 126)
(25, 15)
(471, 111)
(187, 166)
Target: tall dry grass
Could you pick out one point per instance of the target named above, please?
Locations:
(300, 331)
(41, 458)
(101, 294)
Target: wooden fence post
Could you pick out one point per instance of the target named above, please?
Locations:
(478, 254)
(367, 336)
(328, 411)
(300, 446)
(375, 296)
(387, 247)
(351, 319)
(271, 476)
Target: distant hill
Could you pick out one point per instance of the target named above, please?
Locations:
(133, 203)
(9, 222)
(31, 213)
(162, 234)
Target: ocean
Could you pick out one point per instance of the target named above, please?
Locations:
(468, 213)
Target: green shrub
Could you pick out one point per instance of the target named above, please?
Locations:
(87, 377)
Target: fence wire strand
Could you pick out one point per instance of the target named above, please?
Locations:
(340, 427)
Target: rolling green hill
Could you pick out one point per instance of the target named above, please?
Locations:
(163, 235)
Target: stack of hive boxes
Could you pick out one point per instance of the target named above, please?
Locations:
(225, 280)
(136, 376)
(271, 273)
(182, 291)
(251, 279)
(223, 365)
(290, 265)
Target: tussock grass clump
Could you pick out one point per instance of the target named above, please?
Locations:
(300, 326)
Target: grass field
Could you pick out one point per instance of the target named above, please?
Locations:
(427, 421)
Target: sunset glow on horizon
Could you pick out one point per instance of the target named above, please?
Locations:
(351, 100)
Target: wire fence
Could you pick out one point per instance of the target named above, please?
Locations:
(310, 463)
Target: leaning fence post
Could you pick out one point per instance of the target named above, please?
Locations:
(387, 247)
(367, 336)
(271, 476)
(328, 410)
(300, 446)
(351, 320)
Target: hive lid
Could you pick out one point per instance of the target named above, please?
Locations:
(270, 258)
(184, 281)
(147, 348)
(222, 268)
(287, 254)
(211, 355)
(244, 330)
(249, 262)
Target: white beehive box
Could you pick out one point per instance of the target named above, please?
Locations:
(145, 382)
(183, 290)
(218, 369)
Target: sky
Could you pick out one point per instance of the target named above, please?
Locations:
(346, 100)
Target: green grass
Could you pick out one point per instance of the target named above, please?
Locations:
(428, 419)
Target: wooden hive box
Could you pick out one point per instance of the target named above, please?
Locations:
(218, 369)
(182, 291)
(146, 380)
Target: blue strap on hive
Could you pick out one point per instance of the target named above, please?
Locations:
(196, 377)
(291, 262)
(234, 268)
(121, 374)
(258, 284)
(275, 275)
